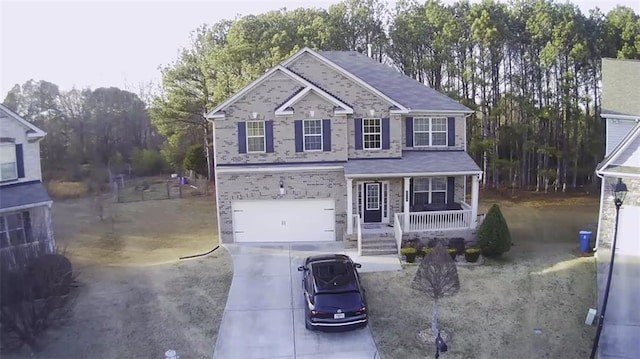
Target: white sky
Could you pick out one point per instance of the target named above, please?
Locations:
(117, 43)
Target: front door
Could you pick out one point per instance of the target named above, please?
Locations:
(372, 202)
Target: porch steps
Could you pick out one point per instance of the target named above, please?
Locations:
(378, 244)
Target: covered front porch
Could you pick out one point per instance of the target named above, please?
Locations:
(423, 192)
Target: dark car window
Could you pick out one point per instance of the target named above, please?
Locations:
(334, 274)
(339, 300)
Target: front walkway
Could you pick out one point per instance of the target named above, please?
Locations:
(621, 331)
(264, 314)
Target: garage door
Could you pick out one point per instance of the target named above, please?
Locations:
(628, 229)
(284, 220)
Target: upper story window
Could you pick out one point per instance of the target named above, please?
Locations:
(312, 135)
(430, 190)
(8, 162)
(372, 133)
(429, 131)
(255, 136)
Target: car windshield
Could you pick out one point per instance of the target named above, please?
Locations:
(346, 300)
(334, 275)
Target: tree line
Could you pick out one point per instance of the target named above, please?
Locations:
(531, 69)
(88, 129)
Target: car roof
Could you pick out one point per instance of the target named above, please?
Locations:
(333, 274)
(327, 257)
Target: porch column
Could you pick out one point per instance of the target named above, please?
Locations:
(407, 196)
(475, 187)
(349, 206)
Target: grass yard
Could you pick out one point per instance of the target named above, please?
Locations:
(136, 299)
(540, 284)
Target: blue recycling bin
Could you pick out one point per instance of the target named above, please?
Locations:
(585, 240)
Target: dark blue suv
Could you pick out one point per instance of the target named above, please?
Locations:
(334, 296)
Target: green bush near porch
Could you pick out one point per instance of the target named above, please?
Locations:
(494, 237)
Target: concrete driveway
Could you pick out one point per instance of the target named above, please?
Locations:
(264, 314)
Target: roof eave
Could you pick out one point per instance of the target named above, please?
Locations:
(619, 174)
(412, 174)
(616, 116)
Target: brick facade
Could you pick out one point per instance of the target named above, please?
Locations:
(608, 210)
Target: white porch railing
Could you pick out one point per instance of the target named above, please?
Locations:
(397, 229)
(357, 223)
(436, 220)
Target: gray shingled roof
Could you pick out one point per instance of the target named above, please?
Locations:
(414, 162)
(22, 194)
(401, 88)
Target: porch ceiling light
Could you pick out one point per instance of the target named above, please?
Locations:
(619, 192)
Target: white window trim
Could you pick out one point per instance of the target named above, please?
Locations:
(364, 147)
(430, 190)
(6, 230)
(264, 136)
(15, 162)
(304, 135)
(430, 132)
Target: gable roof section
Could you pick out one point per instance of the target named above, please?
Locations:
(630, 141)
(284, 109)
(345, 72)
(33, 131)
(218, 112)
(408, 92)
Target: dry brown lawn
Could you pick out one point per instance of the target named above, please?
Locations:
(542, 283)
(136, 299)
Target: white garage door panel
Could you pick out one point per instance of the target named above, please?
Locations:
(284, 220)
(629, 231)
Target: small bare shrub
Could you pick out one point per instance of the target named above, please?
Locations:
(33, 299)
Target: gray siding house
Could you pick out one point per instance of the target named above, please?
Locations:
(621, 111)
(333, 145)
(25, 206)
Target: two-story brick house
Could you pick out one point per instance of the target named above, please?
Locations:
(329, 144)
(25, 206)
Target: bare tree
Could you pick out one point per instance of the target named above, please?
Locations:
(437, 276)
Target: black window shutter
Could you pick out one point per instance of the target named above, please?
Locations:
(451, 131)
(386, 137)
(20, 160)
(451, 189)
(242, 137)
(268, 135)
(297, 124)
(409, 131)
(326, 135)
(358, 131)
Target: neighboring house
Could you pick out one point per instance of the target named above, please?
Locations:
(25, 206)
(330, 144)
(621, 111)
